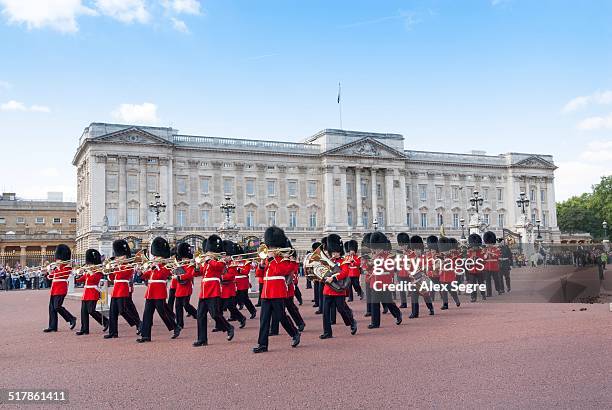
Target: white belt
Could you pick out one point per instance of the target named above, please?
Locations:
(241, 276)
(275, 278)
(156, 281)
(382, 274)
(60, 280)
(210, 279)
(121, 281)
(90, 287)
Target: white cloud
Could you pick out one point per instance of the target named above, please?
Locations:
(598, 97)
(5, 85)
(182, 6)
(576, 177)
(596, 123)
(39, 108)
(60, 15)
(126, 11)
(13, 105)
(179, 25)
(598, 151)
(145, 113)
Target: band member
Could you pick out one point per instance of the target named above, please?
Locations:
(274, 273)
(316, 286)
(228, 284)
(379, 277)
(290, 307)
(433, 263)
(475, 274)
(334, 297)
(505, 265)
(351, 247)
(403, 275)
(156, 294)
(210, 291)
(366, 267)
(172, 290)
(59, 289)
(121, 300)
(492, 253)
(418, 253)
(184, 288)
(243, 284)
(91, 293)
(450, 254)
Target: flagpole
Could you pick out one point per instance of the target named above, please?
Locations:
(340, 104)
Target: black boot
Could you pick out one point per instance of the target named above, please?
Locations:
(444, 306)
(415, 311)
(431, 308)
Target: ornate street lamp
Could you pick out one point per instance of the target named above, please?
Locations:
(522, 202)
(375, 224)
(605, 228)
(158, 207)
(227, 207)
(476, 200)
(462, 222)
(539, 237)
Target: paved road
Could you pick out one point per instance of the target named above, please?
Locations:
(493, 355)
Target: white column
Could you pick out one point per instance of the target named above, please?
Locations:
(391, 220)
(97, 200)
(374, 197)
(142, 190)
(343, 211)
(170, 202)
(122, 192)
(403, 210)
(358, 198)
(538, 199)
(328, 196)
(552, 209)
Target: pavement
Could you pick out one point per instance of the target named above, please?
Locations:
(487, 355)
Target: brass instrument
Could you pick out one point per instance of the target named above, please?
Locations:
(136, 260)
(321, 267)
(262, 253)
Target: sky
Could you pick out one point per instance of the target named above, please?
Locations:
(493, 75)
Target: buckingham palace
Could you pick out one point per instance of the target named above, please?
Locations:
(334, 181)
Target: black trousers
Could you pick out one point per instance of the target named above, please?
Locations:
(354, 285)
(88, 308)
(164, 312)
(492, 276)
(298, 295)
(243, 299)
(454, 295)
(294, 314)
(132, 312)
(308, 284)
(55, 307)
(172, 299)
(259, 297)
(504, 275)
(476, 279)
(120, 306)
(181, 304)
(375, 307)
(317, 295)
(404, 293)
(273, 308)
(210, 306)
(335, 303)
(230, 305)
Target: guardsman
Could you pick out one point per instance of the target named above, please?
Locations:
(318, 303)
(91, 293)
(184, 288)
(433, 263)
(351, 248)
(243, 284)
(492, 253)
(403, 275)
(505, 265)
(448, 250)
(475, 274)
(366, 268)
(59, 288)
(379, 278)
(121, 300)
(155, 297)
(334, 299)
(173, 284)
(228, 284)
(274, 292)
(210, 292)
(418, 275)
(292, 310)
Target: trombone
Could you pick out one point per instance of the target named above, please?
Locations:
(263, 253)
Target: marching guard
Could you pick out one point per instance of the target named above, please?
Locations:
(475, 275)
(416, 245)
(156, 293)
(450, 253)
(505, 265)
(492, 253)
(228, 284)
(91, 293)
(184, 288)
(403, 240)
(366, 267)
(354, 262)
(381, 247)
(292, 310)
(59, 289)
(318, 303)
(243, 285)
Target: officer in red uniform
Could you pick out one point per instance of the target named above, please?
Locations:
(366, 268)
(91, 293)
(121, 302)
(155, 296)
(475, 274)
(381, 248)
(59, 288)
(274, 271)
(334, 298)
(184, 288)
(290, 307)
(210, 292)
(228, 284)
(433, 265)
(350, 248)
(418, 253)
(243, 285)
(450, 254)
(492, 255)
(403, 275)
(173, 284)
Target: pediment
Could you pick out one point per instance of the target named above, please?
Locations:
(366, 147)
(535, 162)
(132, 135)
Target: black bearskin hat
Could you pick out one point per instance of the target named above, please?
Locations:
(352, 245)
(229, 247)
(416, 242)
(92, 257)
(474, 240)
(62, 253)
(432, 242)
(379, 240)
(274, 237)
(324, 243)
(315, 245)
(453, 243)
(183, 251)
(403, 239)
(365, 242)
(444, 244)
(334, 243)
(214, 244)
(489, 238)
(239, 249)
(204, 244)
(121, 248)
(160, 247)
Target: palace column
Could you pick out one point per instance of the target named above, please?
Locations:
(122, 192)
(358, 198)
(374, 196)
(343, 211)
(96, 196)
(328, 195)
(142, 191)
(403, 210)
(552, 209)
(22, 256)
(390, 198)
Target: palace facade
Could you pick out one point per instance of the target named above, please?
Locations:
(335, 181)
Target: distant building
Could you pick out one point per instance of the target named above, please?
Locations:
(30, 229)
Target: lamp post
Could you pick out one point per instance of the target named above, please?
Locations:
(522, 202)
(375, 224)
(227, 207)
(604, 225)
(158, 207)
(476, 200)
(539, 237)
(462, 222)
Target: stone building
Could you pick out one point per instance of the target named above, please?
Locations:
(335, 181)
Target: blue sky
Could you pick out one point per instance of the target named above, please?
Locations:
(500, 76)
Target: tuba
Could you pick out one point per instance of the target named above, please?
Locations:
(320, 267)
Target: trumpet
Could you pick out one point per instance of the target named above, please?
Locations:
(132, 262)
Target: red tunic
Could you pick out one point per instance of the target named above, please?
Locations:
(59, 276)
(433, 264)
(493, 253)
(91, 281)
(404, 273)
(275, 274)
(228, 282)
(185, 288)
(294, 280)
(242, 277)
(343, 274)
(355, 266)
(474, 254)
(211, 272)
(173, 283)
(380, 275)
(448, 275)
(121, 281)
(156, 282)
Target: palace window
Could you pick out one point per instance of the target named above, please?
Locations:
(423, 220)
(292, 188)
(455, 193)
(250, 187)
(271, 218)
(485, 194)
(312, 220)
(57, 220)
(312, 189)
(349, 217)
(423, 192)
(501, 220)
(438, 193)
(292, 219)
(543, 195)
(205, 186)
(532, 195)
(409, 219)
(440, 219)
(364, 189)
(206, 217)
(379, 192)
(2, 220)
(545, 219)
(111, 182)
(456, 220)
(181, 185)
(349, 190)
(39, 220)
(152, 183)
(111, 215)
(250, 219)
(132, 216)
(500, 194)
(365, 219)
(486, 218)
(132, 182)
(181, 217)
(228, 186)
(408, 191)
(20, 220)
(73, 220)
(271, 187)
(381, 218)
